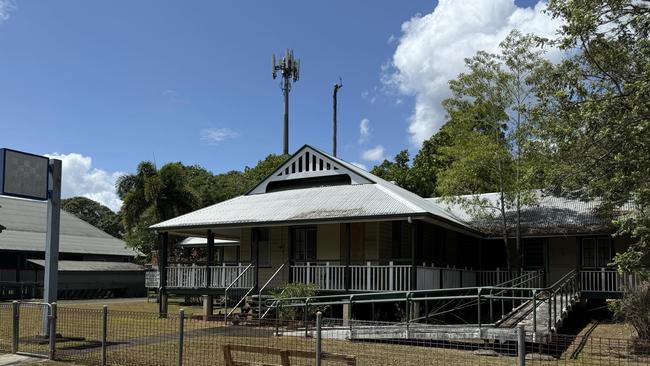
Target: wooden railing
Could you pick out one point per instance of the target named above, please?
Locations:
(431, 277)
(226, 275)
(197, 276)
(607, 280)
(326, 276)
(368, 277)
(186, 276)
(372, 277)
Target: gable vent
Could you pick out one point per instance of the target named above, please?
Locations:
(306, 163)
(309, 168)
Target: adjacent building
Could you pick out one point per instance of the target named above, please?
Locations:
(92, 263)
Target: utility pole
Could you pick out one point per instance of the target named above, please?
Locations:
(337, 86)
(289, 67)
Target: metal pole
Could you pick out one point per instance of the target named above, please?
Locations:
(50, 287)
(15, 312)
(52, 330)
(534, 314)
(104, 332)
(181, 324)
(285, 146)
(337, 86)
(478, 301)
(521, 344)
(319, 318)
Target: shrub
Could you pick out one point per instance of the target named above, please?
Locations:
(292, 290)
(634, 309)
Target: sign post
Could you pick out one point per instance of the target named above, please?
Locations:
(38, 178)
(52, 236)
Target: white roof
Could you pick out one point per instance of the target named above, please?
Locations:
(368, 197)
(194, 241)
(25, 222)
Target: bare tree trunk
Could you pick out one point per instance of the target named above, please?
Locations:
(502, 206)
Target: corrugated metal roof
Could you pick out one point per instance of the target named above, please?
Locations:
(92, 266)
(377, 199)
(25, 222)
(550, 215)
(297, 205)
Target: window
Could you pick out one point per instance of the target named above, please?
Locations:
(304, 244)
(533, 256)
(596, 252)
(263, 247)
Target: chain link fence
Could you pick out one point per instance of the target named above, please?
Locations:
(106, 337)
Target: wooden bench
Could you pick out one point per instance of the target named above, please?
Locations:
(283, 354)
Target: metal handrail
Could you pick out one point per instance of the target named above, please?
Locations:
(225, 293)
(259, 293)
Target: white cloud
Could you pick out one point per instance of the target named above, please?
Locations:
(79, 178)
(374, 154)
(359, 165)
(215, 135)
(6, 7)
(432, 49)
(364, 130)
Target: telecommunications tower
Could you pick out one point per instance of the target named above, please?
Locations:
(289, 68)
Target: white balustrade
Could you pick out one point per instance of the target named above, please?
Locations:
(368, 277)
(196, 276)
(222, 276)
(186, 276)
(607, 280)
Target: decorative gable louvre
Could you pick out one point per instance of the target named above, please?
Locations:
(308, 163)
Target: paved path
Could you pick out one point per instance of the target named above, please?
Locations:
(11, 359)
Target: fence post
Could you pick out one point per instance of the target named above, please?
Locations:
(15, 312)
(521, 344)
(478, 305)
(181, 326)
(104, 332)
(319, 318)
(534, 314)
(52, 331)
(391, 275)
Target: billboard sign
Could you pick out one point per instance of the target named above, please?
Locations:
(23, 174)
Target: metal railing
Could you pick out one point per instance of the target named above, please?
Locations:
(235, 283)
(261, 292)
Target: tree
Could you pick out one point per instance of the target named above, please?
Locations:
(397, 171)
(150, 196)
(595, 115)
(490, 130)
(153, 195)
(95, 214)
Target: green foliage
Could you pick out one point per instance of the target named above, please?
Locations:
(95, 214)
(420, 177)
(295, 290)
(633, 309)
(594, 112)
(152, 195)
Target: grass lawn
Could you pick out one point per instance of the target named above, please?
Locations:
(138, 337)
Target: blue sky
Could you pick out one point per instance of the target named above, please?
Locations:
(106, 84)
